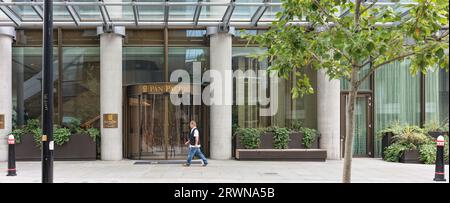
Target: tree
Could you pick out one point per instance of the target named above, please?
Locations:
(343, 36)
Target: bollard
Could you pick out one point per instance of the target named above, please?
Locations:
(439, 172)
(11, 156)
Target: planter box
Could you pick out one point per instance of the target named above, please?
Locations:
(435, 135)
(79, 147)
(410, 156)
(295, 142)
(386, 141)
(282, 154)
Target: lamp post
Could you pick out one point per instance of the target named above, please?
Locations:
(47, 94)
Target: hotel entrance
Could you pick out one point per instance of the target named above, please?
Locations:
(157, 129)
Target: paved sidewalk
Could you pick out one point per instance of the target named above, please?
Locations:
(364, 170)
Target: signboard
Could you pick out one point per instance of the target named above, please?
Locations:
(166, 88)
(110, 120)
(2, 121)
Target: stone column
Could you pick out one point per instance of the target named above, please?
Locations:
(328, 114)
(221, 112)
(6, 38)
(111, 91)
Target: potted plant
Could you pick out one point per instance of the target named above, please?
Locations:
(387, 134)
(71, 141)
(406, 144)
(435, 129)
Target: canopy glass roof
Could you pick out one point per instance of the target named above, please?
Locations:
(147, 13)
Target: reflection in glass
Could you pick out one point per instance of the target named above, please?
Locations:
(143, 65)
(27, 78)
(81, 83)
(182, 58)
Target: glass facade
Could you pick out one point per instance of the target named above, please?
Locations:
(27, 77)
(288, 111)
(80, 83)
(143, 65)
(397, 97)
(437, 96)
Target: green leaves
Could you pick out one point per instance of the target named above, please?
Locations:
(338, 45)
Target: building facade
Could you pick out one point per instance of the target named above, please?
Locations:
(115, 63)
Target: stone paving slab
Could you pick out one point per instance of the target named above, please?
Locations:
(228, 171)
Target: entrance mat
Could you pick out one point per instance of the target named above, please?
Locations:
(166, 162)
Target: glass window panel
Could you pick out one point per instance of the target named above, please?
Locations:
(26, 87)
(151, 13)
(121, 12)
(89, 13)
(143, 65)
(187, 37)
(244, 13)
(184, 13)
(247, 115)
(270, 13)
(437, 96)
(182, 58)
(212, 13)
(397, 97)
(26, 13)
(60, 13)
(81, 83)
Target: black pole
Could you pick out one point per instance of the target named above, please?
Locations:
(47, 94)
(11, 156)
(439, 174)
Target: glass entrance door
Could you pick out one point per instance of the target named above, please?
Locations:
(158, 129)
(363, 138)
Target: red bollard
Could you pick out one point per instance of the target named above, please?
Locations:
(11, 156)
(440, 170)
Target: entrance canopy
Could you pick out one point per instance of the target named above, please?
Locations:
(150, 13)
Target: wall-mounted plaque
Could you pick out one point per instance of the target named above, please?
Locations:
(2, 121)
(110, 120)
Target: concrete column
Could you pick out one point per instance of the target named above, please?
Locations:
(221, 114)
(111, 90)
(6, 38)
(328, 114)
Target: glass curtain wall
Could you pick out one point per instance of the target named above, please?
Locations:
(436, 96)
(27, 77)
(288, 111)
(248, 115)
(397, 97)
(80, 83)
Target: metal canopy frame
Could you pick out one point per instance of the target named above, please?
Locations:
(254, 21)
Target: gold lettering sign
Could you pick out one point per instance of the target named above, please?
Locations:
(166, 88)
(110, 121)
(2, 121)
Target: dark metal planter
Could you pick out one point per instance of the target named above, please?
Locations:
(80, 147)
(436, 134)
(410, 156)
(386, 141)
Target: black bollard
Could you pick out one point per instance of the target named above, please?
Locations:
(440, 172)
(11, 156)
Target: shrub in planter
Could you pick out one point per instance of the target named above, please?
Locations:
(32, 127)
(395, 151)
(250, 138)
(309, 134)
(427, 152)
(435, 129)
(281, 138)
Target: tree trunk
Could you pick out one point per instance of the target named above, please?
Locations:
(346, 178)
